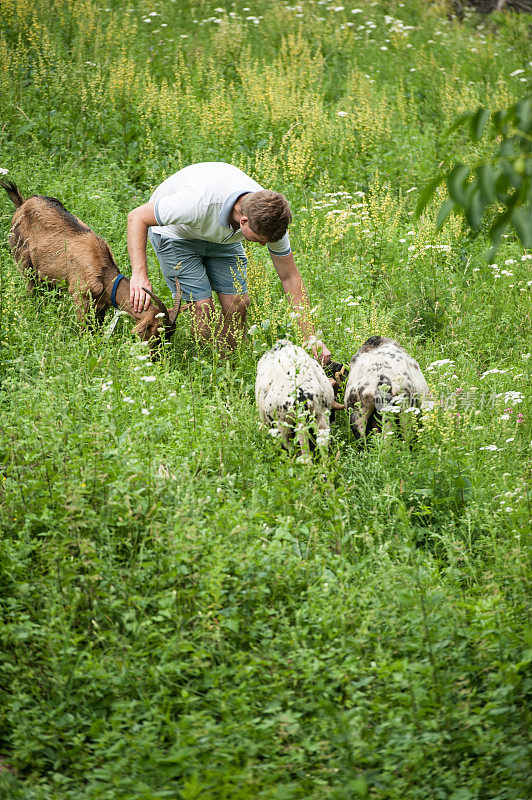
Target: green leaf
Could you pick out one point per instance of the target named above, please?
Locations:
(475, 209)
(522, 221)
(523, 115)
(487, 175)
(427, 193)
(446, 207)
(502, 185)
(499, 226)
(456, 183)
(477, 123)
(499, 121)
(459, 121)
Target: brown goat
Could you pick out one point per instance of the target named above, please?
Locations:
(52, 246)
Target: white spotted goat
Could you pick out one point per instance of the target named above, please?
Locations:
(294, 396)
(382, 377)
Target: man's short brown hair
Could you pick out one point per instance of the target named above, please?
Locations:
(268, 213)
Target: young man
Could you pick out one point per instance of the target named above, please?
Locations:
(196, 221)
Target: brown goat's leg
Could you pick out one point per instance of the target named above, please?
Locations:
(82, 303)
(99, 316)
(26, 267)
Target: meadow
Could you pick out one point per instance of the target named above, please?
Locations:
(186, 611)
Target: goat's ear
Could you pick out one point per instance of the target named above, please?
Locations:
(338, 406)
(140, 328)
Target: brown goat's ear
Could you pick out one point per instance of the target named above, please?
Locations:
(140, 328)
(338, 406)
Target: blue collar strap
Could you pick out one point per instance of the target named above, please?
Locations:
(113, 290)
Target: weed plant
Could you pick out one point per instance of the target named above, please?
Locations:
(186, 611)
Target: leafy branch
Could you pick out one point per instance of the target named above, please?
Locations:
(502, 181)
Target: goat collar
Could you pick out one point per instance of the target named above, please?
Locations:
(113, 290)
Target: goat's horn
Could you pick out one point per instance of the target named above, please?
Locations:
(338, 406)
(177, 307)
(158, 301)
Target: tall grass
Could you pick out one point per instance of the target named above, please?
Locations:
(186, 612)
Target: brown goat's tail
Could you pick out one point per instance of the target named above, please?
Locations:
(13, 192)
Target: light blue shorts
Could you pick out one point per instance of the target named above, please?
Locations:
(201, 267)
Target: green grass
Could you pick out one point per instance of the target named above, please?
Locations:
(185, 611)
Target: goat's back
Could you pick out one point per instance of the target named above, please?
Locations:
(382, 361)
(287, 375)
(58, 245)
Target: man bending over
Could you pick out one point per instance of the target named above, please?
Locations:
(196, 221)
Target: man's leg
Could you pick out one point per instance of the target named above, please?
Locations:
(226, 269)
(204, 320)
(233, 323)
(182, 260)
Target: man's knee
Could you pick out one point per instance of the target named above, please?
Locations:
(235, 306)
(204, 309)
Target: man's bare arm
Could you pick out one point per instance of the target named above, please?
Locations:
(292, 284)
(138, 222)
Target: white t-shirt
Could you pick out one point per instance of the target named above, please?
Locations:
(196, 203)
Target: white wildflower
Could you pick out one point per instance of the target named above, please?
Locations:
(147, 378)
(3, 171)
(145, 412)
(442, 362)
(493, 372)
(489, 447)
(516, 72)
(514, 398)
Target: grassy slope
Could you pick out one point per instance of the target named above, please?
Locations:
(186, 612)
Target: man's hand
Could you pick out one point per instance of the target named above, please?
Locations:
(318, 349)
(325, 356)
(138, 222)
(138, 297)
(294, 288)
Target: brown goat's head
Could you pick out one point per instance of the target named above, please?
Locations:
(337, 374)
(159, 323)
